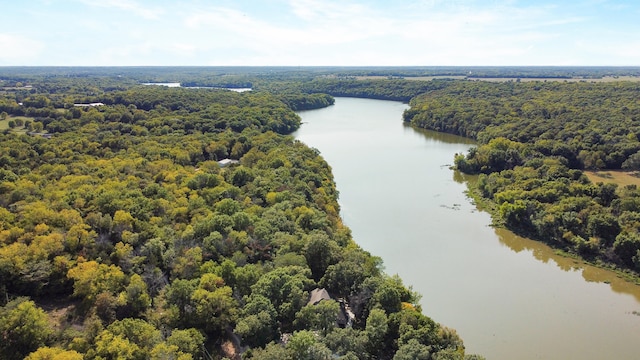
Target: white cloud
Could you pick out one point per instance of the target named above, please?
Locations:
(332, 32)
(128, 6)
(432, 32)
(18, 49)
(313, 27)
(489, 35)
(323, 11)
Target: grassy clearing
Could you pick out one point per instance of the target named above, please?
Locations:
(619, 177)
(4, 124)
(23, 118)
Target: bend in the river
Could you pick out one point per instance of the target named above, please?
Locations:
(508, 297)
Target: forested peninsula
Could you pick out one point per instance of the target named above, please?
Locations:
(147, 222)
(535, 139)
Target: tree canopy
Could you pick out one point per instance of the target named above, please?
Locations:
(153, 248)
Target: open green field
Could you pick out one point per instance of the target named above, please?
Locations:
(622, 178)
(4, 124)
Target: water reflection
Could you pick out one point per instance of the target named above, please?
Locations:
(544, 253)
(462, 178)
(434, 136)
(589, 272)
(508, 297)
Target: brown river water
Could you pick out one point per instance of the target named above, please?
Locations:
(508, 297)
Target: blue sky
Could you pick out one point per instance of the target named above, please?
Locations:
(319, 32)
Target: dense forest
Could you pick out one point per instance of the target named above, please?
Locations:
(595, 124)
(389, 89)
(145, 222)
(534, 140)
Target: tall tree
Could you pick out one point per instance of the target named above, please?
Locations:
(24, 328)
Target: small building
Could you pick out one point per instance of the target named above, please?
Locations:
(345, 317)
(89, 104)
(318, 295)
(227, 162)
(41, 134)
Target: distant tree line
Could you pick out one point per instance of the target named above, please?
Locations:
(594, 125)
(392, 89)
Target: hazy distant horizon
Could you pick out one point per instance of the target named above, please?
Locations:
(332, 66)
(320, 33)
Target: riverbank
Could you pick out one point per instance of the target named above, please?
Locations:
(402, 201)
(492, 208)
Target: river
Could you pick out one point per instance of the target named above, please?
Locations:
(508, 297)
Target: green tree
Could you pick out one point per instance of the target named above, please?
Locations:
(122, 221)
(245, 277)
(413, 350)
(188, 341)
(111, 346)
(178, 298)
(187, 266)
(257, 324)
(164, 351)
(53, 353)
(271, 352)
(346, 276)
(603, 225)
(376, 329)
(286, 288)
(215, 308)
(390, 294)
(127, 339)
(304, 345)
(626, 247)
(632, 162)
(241, 176)
(320, 253)
(138, 331)
(91, 278)
(321, 317)
(24, 328)
(343, 341)
(138, 298)
(227, 206)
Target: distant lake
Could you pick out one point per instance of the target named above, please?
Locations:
(172, 84)
(508, 297)
(167, 84)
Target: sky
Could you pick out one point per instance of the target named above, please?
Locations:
(319, 33)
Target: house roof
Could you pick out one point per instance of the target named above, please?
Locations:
(90, 104)
(318, 295)
(225, 162)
